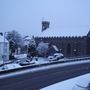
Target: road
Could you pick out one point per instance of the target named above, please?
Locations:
(42, 78)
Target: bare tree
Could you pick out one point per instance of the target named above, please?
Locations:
(15, 40)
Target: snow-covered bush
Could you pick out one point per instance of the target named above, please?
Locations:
(32, 48)
(42, 48)
(32, 42)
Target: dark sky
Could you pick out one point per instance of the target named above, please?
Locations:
(25, 16)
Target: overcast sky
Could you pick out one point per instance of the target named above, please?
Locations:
(25, 16)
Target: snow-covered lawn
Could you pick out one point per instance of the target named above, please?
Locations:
(77, 83)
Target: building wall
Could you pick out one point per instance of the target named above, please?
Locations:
(69, 46)
(5, 52)
(88, 46)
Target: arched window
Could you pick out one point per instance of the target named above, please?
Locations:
(68, 50)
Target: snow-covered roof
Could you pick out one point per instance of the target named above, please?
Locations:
(52, 32)
(2, 39)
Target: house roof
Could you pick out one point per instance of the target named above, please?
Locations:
(50, 32)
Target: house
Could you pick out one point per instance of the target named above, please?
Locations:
(4, 49)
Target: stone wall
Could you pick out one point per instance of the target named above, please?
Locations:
(69, 46)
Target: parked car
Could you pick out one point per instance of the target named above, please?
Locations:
(59, 55)
(51, 58)
(56, 57)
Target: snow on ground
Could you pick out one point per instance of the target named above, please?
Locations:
(12, 66)
(9, 66)
(78, 83)
(21, 56)
(41, 60)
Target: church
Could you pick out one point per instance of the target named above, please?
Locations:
(70, 46)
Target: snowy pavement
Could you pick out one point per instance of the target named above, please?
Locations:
(78, 83)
